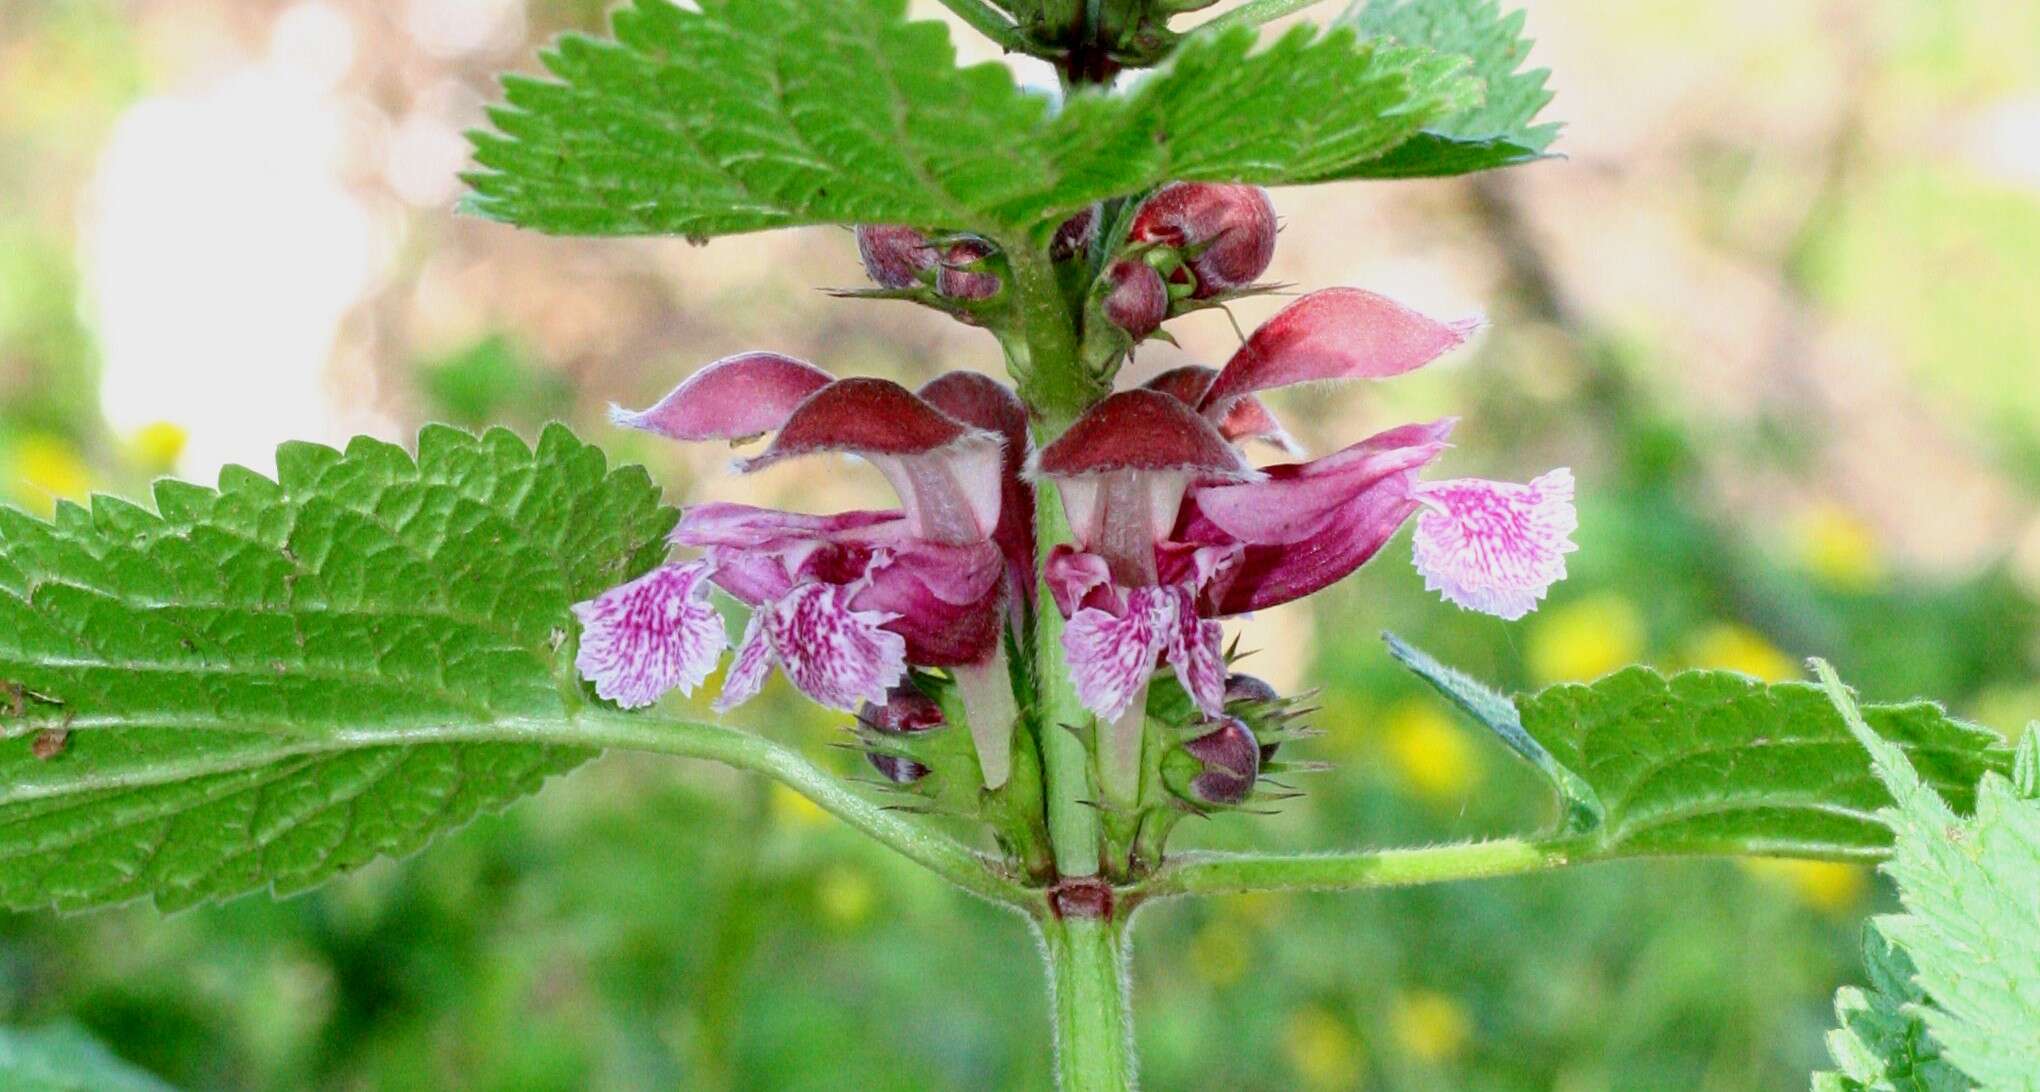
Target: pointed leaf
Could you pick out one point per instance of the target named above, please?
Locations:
(1717, 762)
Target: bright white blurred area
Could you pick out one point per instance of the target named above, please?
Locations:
(221, 250)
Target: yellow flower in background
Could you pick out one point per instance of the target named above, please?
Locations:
(1430, 1026)
(792, 809)
(43, 469)
(1830, 887)
(1728, 646)
(844, 895)
(1219, 953)
(1838, 549)
(1431, 753)
(155, 447)
(1586, 639)
(1321, 1051)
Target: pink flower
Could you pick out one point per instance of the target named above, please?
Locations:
(1122, 471)
(841, 603)
(1175, 532)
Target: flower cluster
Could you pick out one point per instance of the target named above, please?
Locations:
(1173, 530)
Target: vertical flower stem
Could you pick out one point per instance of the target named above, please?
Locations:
(1087, 969)
(1065, 761)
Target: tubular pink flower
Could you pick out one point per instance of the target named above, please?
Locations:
(654, 634)
(842, 603)
(1307, 525)
(1122, 470)
(1495, 547)
(985, 403)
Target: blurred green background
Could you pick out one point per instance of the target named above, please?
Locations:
(1779, 308)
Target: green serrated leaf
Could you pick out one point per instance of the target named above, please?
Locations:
(63, 1058)
(1496, 132)
(1718, 762)
(251, 687)
(1969, 885)
(752, 114)
(1583, 810)
(1881, 1042)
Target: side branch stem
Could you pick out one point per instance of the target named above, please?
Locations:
(1224, 873)
(1255, 12)
(941, 854)
(987, 21)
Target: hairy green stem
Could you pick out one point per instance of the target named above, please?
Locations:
(941, 854)
(1088, 987)
(1225, 873)
(1255, 12)
(987, 20)
(1066, 762)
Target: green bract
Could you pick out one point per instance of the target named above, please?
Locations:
(253, 687)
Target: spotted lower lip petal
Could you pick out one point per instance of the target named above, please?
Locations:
(1495, 547)
(655, 634)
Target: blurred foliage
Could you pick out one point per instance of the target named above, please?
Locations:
(653, 925)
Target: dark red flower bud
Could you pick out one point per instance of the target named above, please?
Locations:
(957, 282)
(906, 711)
(1218, 768)
(894, 256)
(1250, 690)
(1138, 300)
(1226, 231)
(1074, 235)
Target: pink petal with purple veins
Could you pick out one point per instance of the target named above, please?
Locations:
(1196, 650)
(732, 399)
(1111, 655)
(944, 597)
(654, 634)
(747, 672)
(1309, 524)
(837, 656)
(1495, 547)
(1335, 333)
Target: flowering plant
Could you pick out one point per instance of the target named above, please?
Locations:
(271, 682)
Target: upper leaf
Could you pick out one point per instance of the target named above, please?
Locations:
(1970, 885)
(255, 686)
(1717, 762)
(1498, 131)
(752, 114)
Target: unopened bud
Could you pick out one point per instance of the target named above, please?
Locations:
(1218, 768)
(906, 711)
(957, 282)
(894, 256)
(1138, 301)
(1251, 690)
(1226, 231)
(1074, 235)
